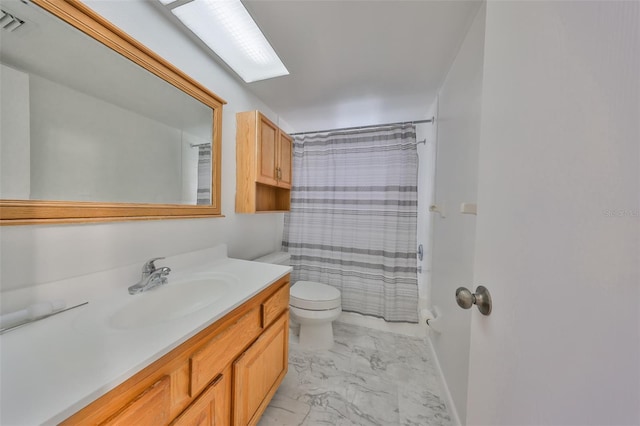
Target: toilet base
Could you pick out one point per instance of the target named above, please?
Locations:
(294, 326)
(316, 329)
(316, 336)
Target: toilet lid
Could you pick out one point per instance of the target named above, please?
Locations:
(314, 296)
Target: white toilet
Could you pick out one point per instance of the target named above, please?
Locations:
(312, 305)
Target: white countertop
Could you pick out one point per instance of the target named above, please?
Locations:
(52, 368)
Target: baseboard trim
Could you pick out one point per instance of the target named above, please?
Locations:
(407, 329)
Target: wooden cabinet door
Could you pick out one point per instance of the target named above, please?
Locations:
(285, 151)
(211, 408)
(259, 371)
(266, 151)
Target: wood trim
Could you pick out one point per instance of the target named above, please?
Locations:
(246, 133)
(21, 212)
(29, 212)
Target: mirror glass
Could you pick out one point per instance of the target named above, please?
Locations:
(80, 122)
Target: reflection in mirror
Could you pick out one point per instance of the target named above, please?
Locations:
(80, 122)
(81, 132)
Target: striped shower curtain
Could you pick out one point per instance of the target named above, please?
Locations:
(353, 217)
(204, 175)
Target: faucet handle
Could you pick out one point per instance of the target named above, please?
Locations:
(163, 272)
(149, 266)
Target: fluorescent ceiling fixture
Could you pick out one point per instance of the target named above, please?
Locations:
(228, 29)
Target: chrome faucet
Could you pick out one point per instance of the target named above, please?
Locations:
(151, 277)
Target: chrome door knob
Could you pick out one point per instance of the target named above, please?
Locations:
(464, 298)
(481, 298)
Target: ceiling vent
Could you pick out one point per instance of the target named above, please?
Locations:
(9, 22)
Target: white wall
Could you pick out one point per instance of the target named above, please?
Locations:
(121, 157)
(459, 104)
(558, 230)
(35, 254)
(14, 134)
(361, 111)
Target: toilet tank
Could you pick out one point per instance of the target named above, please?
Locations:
(277, 257)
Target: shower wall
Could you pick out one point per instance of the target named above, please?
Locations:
(426, 132)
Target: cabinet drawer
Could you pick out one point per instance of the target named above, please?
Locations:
(275, 305)
(211, 359)
(151, 407)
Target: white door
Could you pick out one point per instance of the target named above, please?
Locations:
(558, 223)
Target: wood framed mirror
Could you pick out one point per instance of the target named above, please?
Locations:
(67, 196)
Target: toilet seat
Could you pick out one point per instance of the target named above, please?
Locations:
(314, 296)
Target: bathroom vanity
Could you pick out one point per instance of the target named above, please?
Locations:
(238, 362)
(215, 359)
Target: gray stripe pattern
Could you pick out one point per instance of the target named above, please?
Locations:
(204, 175)
(353, 217)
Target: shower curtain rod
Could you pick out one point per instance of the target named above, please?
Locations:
(431, 120)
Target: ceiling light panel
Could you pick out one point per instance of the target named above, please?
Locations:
(228, 29)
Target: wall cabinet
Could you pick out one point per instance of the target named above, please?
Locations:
(225, 375)
(263, 164)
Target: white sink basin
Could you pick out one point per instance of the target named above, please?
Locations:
(168, 302)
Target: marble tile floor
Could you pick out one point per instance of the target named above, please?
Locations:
(369, 377)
